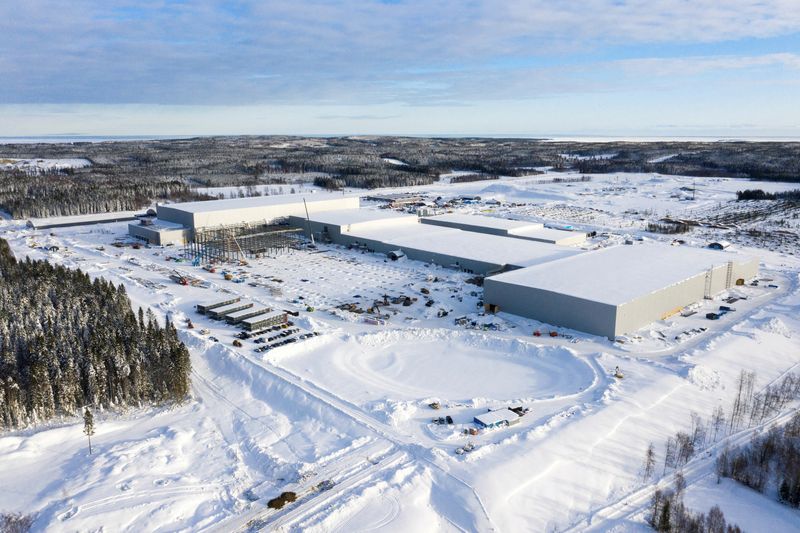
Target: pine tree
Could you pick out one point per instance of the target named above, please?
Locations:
(785, 492)
(88, 426)
(664, 520)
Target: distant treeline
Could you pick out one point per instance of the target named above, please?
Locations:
(67, 342)
(130, 175)
(668, 228)
(58, 193)
(759, 194)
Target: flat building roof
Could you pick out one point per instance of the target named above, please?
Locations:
(485, 221)
(261, 318)
(494, 249)
(343, 217)
(620, 274)
(247, 313)
(254, 201)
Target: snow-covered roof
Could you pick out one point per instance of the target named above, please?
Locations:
(77, 220)
(486, 221)
(265, 316)
(248, 312)
(495, 417)
(343, 217)
(162, 225)
(227, 308)
(547, 234)
(218, 301)
(493, 249)
(254, 201)
(619, 274)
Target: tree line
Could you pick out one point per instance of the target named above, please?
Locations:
(760, 194)
(61, 193)
(132, 174)
(749, 408)
(770, 461)
(67, 341)
(668, 514)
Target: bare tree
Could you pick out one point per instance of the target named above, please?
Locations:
(669, 454)
(717, 420)
(649, 462)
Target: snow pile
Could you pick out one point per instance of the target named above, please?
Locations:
(704, 377)
(777, 326)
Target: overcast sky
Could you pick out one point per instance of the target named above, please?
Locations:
(521, 67)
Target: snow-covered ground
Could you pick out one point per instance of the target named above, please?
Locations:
(352, 404)
(35, 166)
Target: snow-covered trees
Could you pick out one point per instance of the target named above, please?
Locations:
(668, 514)
(67, 341)
(771, 459)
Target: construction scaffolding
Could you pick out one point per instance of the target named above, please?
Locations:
(241, 241)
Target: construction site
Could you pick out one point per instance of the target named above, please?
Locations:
(543, 273)
(237, 242)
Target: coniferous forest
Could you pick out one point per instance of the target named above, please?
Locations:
(131, 175)
(67, 341)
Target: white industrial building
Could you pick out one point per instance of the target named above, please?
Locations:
(213, 213)
(176, 223)
(519, 229)
(159, 232)
(617, 290)
(386, 231)
(532, 271)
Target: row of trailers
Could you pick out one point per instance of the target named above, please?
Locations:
(245, 314)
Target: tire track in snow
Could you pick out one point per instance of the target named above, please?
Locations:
(634, 503)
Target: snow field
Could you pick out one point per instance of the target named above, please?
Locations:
(351, 404)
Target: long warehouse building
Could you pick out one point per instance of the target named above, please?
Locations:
(617, 290)
(178, 223)
(532, 231)
(386, 231)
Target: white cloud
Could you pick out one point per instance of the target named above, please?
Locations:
(687, 66)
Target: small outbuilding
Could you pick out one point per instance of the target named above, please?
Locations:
(719, 245)
(497, 418)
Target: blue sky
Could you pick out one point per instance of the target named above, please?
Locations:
(519, 67)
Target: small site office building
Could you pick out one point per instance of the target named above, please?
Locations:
(617, 290)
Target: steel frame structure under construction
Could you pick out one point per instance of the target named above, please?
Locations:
(239, 241)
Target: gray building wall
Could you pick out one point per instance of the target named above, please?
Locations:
(159, 236)
(551, 307)
(173, 213)
(605, 319)
(476, 228)
(373, 245)
(246, 214)
(665, 302)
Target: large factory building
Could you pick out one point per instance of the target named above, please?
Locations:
(388, 231)
(180, 223)
(532, 231)
(530, 270)
(617, 290)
